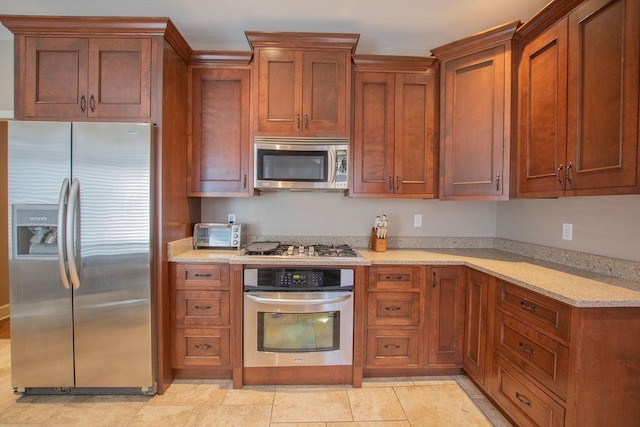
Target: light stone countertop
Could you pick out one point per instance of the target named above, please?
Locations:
(576, 287)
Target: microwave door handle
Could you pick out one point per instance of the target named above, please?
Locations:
(70, 233)
(284, 301)
(61, 233)
(333, 161)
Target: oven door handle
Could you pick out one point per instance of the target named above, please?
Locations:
(286, 301)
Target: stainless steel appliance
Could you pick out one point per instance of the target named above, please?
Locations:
(298, 316)
(301, 164)
(81, 265)
(214, 235)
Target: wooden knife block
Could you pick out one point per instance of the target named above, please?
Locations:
(376, 244)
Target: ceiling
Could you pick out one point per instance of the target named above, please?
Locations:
(392, 27)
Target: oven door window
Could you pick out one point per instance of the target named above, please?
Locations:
(284, 165)
(298, 332)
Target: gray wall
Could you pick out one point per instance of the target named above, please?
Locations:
(6, 78)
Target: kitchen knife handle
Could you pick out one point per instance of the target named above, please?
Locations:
(61, 241)
(70, 233)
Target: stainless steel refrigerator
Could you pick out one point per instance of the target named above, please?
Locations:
(81, 264)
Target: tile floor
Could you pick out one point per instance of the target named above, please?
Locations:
(417, 401)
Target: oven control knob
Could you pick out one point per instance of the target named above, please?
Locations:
(311, 251)
(290, 250)
(301, 250)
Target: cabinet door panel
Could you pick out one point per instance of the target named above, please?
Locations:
(220, 143)
(415, 134)
(55, 77)
(475, 344)
(119, 78)
(445, 296)
(373, 141)
(603, 101)
(475, 141)
(324, 93)
(543, 116)
(279, 96)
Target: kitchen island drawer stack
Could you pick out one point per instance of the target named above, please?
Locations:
(201, 316)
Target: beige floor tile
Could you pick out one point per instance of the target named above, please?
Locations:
(443, 405)
(467, 385)
(100, 415)
(375, 404)
(311, 405)
(189, 394)
(230, 416)
(372, 424)
(160, 416)
(387, 382)
(33, 409)
(250, 395)
(434, 380)
(299, 424)
(492, 413)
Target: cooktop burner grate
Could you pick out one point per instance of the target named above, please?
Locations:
(319, 250)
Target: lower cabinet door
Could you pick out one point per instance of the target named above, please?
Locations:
(527, 404)
(392, 348)
(201, 347)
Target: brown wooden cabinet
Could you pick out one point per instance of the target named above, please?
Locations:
(303, 85)
(578, 130)
(201, 316)
(475, 115)
(75, 78)
(445, 293)
(477, 345)
(394, 145)
(220, 129)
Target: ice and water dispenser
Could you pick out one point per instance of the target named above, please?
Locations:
(35, 231)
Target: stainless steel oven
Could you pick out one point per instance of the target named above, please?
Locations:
(298, 317)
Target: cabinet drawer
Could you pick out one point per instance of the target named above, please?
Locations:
(395, 278)
(522, 400)
(546, 314)
(387, 347)
(201, 347)
(540, 356)
(400, 308)
(202, 276)
(202, 308)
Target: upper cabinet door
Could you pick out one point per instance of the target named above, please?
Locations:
(119, 78)
(604, 51)
(543, 114)
(52, 81)
(475, 117)
(415, 123)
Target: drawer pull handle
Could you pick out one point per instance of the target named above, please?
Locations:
(528, 307)
(392, 308)
(392, 346)
(202, 346)
(526, 349)
(523, 400)
(393, 278)
(202, 307)
(202, 275)
(434, 279)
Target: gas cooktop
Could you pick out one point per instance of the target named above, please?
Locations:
(277, 249)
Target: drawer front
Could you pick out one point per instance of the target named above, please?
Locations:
(202, 276)
(206, 308)
(389, 348)
(201, 347)
(527, 404)
(546, 314)
(399, 309)
(540, 356)
(395, 278)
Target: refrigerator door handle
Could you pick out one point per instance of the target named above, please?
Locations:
(70, 235)
(61, 239)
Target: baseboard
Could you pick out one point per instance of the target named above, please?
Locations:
(4, 311)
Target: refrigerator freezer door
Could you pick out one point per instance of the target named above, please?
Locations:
(112, 244)
(41, 316)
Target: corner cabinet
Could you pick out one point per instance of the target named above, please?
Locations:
(476, 327)
(475, 115)
(80, 77)
(394, 145)
(219, 126)
(303, 83)
(579, 96)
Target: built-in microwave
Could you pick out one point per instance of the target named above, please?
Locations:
(301, 164)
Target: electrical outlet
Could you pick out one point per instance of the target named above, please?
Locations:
(417, 220)
(231, 218)
(567, 231)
